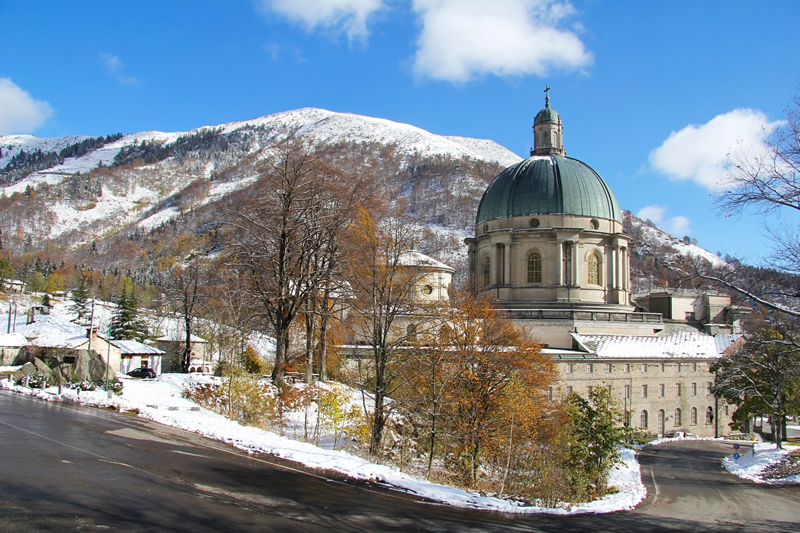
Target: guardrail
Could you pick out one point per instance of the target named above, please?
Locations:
(594, 316)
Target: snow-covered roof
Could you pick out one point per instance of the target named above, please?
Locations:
(418, 259)
(132, 347)
(47, 332)
(681, 345)
(180, 337)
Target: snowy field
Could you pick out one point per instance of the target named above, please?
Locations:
(751, 465)
(161, 400)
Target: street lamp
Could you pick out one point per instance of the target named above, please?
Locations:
(108, 358)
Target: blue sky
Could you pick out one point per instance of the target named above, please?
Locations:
(652, 94)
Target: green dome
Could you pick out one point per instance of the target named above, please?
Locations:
(548, 114)
(549, 185)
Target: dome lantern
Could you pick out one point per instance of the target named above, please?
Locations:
(547, 130)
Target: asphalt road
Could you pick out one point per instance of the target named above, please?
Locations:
(68, 468)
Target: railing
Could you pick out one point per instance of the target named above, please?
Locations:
(593, 316)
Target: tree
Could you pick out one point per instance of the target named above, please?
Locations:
(383, 288)
(596, 428)
(126, 322)
(6, 270)
(54, 283)
(300, 204)
(761, 377)
(500, 370)
(185, 286)
(767, 182)
(80, 302)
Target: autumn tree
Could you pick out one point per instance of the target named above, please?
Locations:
(300, 204)
(499, 368)
(383, 284)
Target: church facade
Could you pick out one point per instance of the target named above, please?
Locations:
(549, 245)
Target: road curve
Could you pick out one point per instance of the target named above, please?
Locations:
(68, 468)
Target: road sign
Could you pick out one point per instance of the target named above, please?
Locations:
(736, 456)
(735, 446)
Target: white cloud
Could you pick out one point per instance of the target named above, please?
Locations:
(462, 39)
(699, 153)
(347, 16)
(19, 112)
(676, 226)
(116, 69)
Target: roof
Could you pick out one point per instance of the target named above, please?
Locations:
(547, 185)
(180, 337)
(418, 259)
(548, 114)
(681, 345)
(47, 331)
(133, 347)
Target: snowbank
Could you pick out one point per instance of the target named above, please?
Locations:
(160, 400)
(751, 465)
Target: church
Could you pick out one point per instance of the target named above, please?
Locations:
(549, 246)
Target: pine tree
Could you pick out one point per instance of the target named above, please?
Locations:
(126, 322)
(80, 303)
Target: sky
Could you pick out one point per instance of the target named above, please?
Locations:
(652, 95)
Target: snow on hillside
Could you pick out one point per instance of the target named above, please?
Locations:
(660, 237)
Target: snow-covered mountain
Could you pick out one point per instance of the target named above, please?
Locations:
(75, 192)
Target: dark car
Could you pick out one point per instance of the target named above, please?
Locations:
(142, 373)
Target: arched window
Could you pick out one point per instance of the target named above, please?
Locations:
(677, 418)
(534, 267)
(661, 422)
(594, 270)
(643, 419)
(693, 417)
(710, 415)
(487, 270)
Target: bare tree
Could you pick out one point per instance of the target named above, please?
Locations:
(185, 286)
(768, 182)
(301, 204)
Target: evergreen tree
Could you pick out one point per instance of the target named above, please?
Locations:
(126, 322)
(80, 303)
(6, 270)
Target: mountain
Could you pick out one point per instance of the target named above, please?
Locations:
(114, 201)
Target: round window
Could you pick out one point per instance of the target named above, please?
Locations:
(534, 222)
(594, 223)
(427, 289)
(486, 228)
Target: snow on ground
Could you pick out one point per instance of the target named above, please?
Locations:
(751, 465)
(160, 400)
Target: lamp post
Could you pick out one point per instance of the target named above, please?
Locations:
(108, 357)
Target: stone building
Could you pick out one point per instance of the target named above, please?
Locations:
(550, 246)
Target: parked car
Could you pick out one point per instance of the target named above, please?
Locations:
(142, 373)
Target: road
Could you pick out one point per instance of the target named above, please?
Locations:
(69, 468)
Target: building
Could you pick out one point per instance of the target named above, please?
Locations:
(550, 246)
(172, 346)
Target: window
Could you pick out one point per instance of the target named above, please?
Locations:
(534, 267)
(661, 390)
(694, 367)
(694, 389)
(627, 393)
(644, 391)
(643, 419)
(693, 417)
(487, 270)
(663, 367)
(644, 367)
(708, 388)
(590, 368)
(678, 368)
(677, 389)
(608, 368)
(570, 368)
(710, 415)
(661, 422)
(726, 410)
(677, 419)
(627, 367)
(569, 390)
(594, 270)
